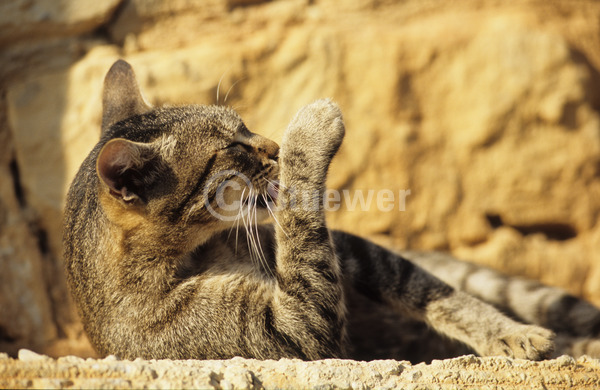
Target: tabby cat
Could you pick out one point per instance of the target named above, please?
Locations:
(160, 268)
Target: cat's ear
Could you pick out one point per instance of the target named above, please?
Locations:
(122, 166)
(122, 97)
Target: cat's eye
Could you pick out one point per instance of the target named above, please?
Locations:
(241, 146)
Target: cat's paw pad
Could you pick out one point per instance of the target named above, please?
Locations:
(525, 342)
(316, 131)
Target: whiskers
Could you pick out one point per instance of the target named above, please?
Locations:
(218, 103)
(250, 202)
(270, 201)
(230, 89)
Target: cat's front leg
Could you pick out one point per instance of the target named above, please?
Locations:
(311, 310)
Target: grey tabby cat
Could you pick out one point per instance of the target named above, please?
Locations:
(156, 274)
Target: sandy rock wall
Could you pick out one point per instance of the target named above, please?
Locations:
(487, 112)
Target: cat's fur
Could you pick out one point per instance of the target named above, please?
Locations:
(156, 275)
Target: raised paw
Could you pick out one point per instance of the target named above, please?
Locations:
(312, 138)
(523, 342)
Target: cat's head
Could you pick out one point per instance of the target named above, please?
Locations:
(188, 172)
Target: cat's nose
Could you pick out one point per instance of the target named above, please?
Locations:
(272, 149)
(265, 145)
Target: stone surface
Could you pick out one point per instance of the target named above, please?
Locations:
(487, 112)
(468, 371)
(42, 19)
(25, 309)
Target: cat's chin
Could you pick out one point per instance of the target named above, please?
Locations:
(262, 214)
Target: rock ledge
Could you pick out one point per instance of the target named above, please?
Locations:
(39, 371)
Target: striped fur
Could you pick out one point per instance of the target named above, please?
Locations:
(575, 321)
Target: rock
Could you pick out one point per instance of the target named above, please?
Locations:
(26, 355)
(26, 318)
(481, 119)
(237, 373)
(43, 19)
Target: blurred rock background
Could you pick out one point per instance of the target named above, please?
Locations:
(487, 111)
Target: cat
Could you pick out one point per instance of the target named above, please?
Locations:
(159, 267)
